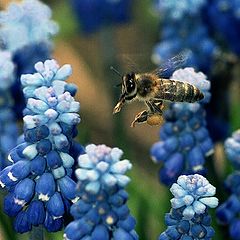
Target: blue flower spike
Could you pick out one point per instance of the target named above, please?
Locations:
(183, 28)
(194, 192)
(96, 14)
(185, 140)
(189, 218)
(228, 212)
(30, 20)
(39, 179)
(8, 130)
(102, 211)
(178, 10)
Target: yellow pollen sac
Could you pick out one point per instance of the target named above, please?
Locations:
(109, 220)
(155, 120)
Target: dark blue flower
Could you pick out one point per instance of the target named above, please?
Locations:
(102, 211)
(22, 223)
(39, 180)
(94, 14)
(189, 218)
(36, 213)
(183, 29)
(185, 141)
(223, 19)
(228, 211)
(8, 129)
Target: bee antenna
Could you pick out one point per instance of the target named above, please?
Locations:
(118, 85)
(116, 71)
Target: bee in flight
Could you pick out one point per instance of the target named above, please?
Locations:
(154, 90)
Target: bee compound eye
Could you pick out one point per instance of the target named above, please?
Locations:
(130, 85)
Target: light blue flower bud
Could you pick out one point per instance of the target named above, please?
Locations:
(67, 160)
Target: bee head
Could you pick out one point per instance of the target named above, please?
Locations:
(129, 84)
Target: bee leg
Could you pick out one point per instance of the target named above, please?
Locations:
(155, 106)
(155, 112)
(151, 116)
(140, 118)
(119, 106)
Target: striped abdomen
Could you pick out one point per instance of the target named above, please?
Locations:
(176, 91)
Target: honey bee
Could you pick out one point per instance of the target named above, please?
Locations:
(154, 90)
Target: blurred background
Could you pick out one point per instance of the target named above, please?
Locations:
(126, 40)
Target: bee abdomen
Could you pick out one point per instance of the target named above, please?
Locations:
(191, 93)
(177, 91)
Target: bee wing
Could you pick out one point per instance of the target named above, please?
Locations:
(135, 62)
(167, 67)
(127, 62)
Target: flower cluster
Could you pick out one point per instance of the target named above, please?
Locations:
(94, 14)
(223, 18)
(8, 129)
(189, 218)
(102, 211)
(39, 179)
(208, 29)
(228, 212)
(30, 21)
(185, 141)
(183, 28)
(178, 10)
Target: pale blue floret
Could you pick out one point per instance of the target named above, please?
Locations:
(48, 74)
(194, 192)
(7, 76)
(8, 130)
(232, 148)
(178, 9)
(29, 20)
(102, 168)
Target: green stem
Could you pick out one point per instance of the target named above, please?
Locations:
(37, 233)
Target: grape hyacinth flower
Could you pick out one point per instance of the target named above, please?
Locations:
(94, 14)
(209, 30)
(178, 10)
(39, 180)
(223, 19)
(8, 129)
(102, 211)
(182, 28)
(228, 212)
(30, 21)
(189, 218)
(185, 141)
